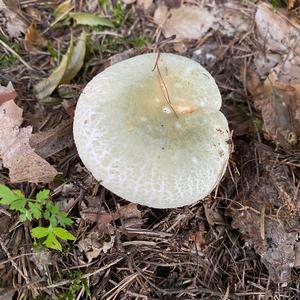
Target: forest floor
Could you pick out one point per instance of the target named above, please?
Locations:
(239, 243)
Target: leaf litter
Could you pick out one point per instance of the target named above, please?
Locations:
(17, 155)
(266, 211)
(68, 68)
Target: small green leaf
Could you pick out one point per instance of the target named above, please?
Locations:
(42, 196)
(52, 242)
(35, 209)
(90, 19)
(63, 234)
(7, 195)
(40, 232)
(25, 215)
(53, 220)
(19, 205)
(63, 218)
(54, 208)
(47, 215)
(19, 193)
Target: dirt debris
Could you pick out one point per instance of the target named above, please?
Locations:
(266, 210)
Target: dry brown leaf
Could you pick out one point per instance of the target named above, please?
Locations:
(69, 107)
(130, 215)
(291, 4)
(279, 104)
(267, 187)
(92, 212)
(233, 19)
(33, 39)
(199, 237)
(186, 22)
(277, 31)
(17, 155)
(180, 47)
(100, 239)
(15, 24)
(213, 217)
(90, 215)
(280, 110)
(7, 93)
(48, 143)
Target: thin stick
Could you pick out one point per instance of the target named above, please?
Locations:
(156, 61)
(163, 85)
(16, 55)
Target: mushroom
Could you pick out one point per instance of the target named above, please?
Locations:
(151, 131)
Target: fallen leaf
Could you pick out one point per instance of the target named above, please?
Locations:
(277, 32)
(129, 215)
(50, 142)
(280, 111)
(199, 237)
(291, 4)
(34, 13)
(100, 239)
(93, 216)
(68, 68)
(186, 22)
(69, 107)
(92, 212)
(45, 87)
(7, 93)
(233, 19)
(180, 47)
(41, 257)
(213, 217)
(76, 60)
(33, 39)
(15, 24)
(90, 19)
(279, 105)
(266, 209)
(17, 155)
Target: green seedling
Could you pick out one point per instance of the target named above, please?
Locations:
(40, 208)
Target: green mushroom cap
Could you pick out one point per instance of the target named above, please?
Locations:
(153, 137)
